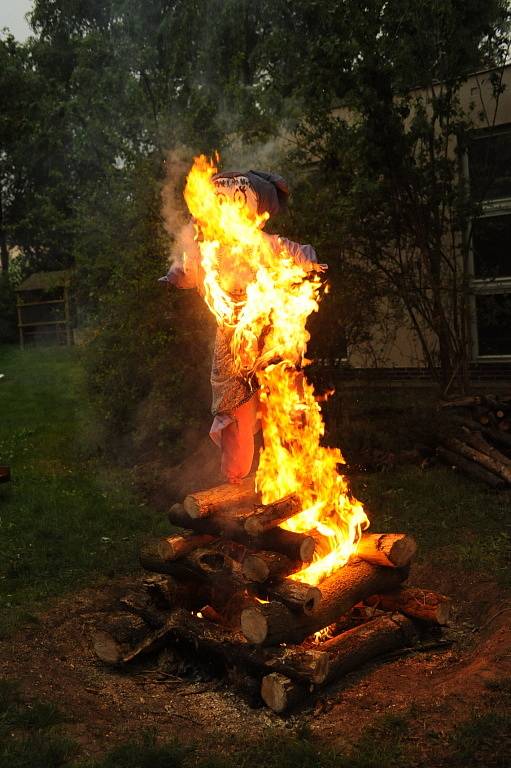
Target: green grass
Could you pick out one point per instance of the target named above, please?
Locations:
(67, 516)
(453, 519)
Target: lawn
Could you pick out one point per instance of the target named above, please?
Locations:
(67, 518)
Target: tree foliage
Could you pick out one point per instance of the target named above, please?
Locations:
(104, 88)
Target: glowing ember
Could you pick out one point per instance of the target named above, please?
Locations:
(265, 298)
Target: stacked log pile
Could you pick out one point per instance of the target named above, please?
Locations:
(478, 439)
(227, 588)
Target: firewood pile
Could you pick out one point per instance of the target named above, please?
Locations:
(477, 440)
(222, 590)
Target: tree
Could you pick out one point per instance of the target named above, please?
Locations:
(383, 133)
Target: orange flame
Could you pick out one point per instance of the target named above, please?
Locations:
(265, 298)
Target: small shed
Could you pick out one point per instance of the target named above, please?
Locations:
(44, 308)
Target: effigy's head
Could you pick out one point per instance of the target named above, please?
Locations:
(257, 192)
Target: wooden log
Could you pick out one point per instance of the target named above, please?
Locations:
(297, 663)
(202, 561)
(222, 498)
(348, 652)
(501, 438)
(430, 607)
(381, 635)
(394, 550)
(470, 468)
(489, 463)
(209, 639)
(140, 603)
(115, 641)
(296, 595)
(281, 694)
(169, 548)
(267, 516)
(268, 566)
(477, 441)
(218, 579)
(462, 402)
(272, 623)
(160, 589)
(296, 546)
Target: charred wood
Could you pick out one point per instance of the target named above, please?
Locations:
(116, 645)
(125, 636)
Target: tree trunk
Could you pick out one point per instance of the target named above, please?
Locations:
(4, 250)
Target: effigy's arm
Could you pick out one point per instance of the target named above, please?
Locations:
(184, 271)
(304, 255)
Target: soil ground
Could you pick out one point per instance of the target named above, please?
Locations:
(53, 661)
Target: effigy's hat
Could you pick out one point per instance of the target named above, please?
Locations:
(260, 191)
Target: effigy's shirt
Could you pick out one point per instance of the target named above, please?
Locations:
(229, 388)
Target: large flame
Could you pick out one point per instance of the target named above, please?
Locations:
(265, 298)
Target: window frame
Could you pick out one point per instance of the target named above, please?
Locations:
(484, 286)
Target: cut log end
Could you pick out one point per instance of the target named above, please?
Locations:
(107, 648)
(254, 625)
(222, 498)
(395, 550)
(266, 565)
(279, 693)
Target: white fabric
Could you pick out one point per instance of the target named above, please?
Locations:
(237, 189)
(220, 422)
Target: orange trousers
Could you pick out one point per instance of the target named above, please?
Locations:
(234, 433)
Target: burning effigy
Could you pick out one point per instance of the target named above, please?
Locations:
(275, 571)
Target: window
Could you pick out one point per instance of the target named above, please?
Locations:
(493, 312)
(489, 158)
(492, 246)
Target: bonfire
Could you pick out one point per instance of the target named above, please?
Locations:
(277, 575)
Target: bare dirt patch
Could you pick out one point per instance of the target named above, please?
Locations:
(53, 660)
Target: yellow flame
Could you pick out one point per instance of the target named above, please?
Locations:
(265, 298)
